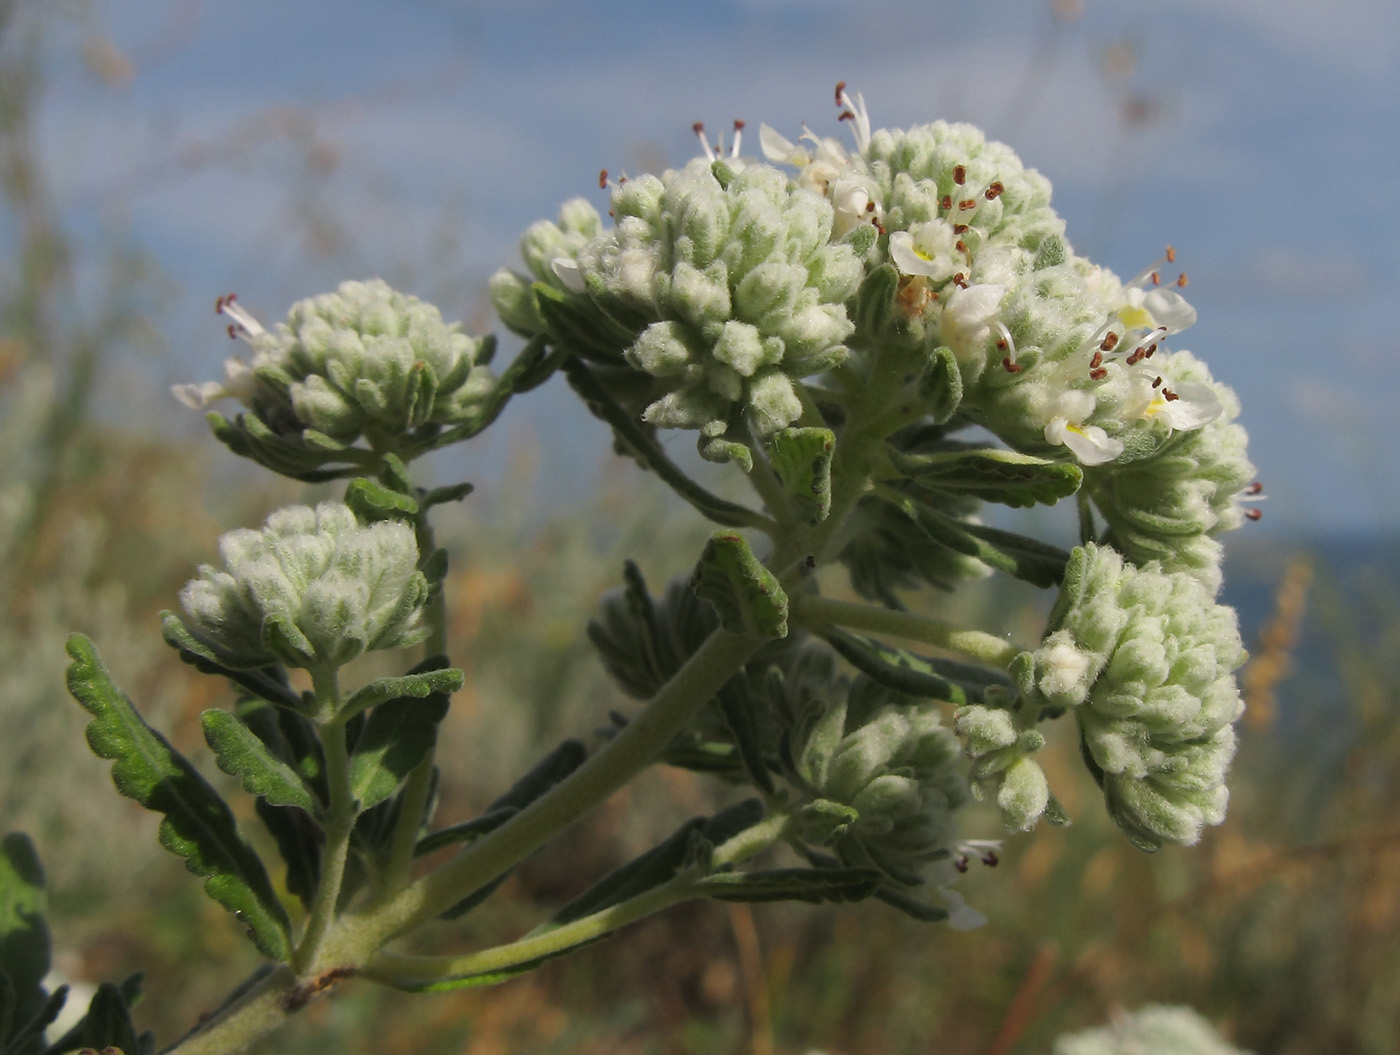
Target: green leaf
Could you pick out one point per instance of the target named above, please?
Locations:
(399, 734)
(914, 675)
(995, 475)
(441, 495)
(812, 885)
(416, 686)
(721, 450)
(738, 709)
(241, 754)
(546, 773)
(370, 500)
(636, 441)
(688, 846)
(746, 595)
(467, 831)
(801, 458)
(27, 1038)
(268, 683)
(107, 1024)
(920, 910)
(24, 936)
(1025, 558)
(197, 824)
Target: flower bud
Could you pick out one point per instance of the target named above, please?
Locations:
(1147, 659)
(314, 588)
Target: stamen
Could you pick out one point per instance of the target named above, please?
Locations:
(602, 179)
(1097, 361)
(1099, 374)
(995, 191)
(966, 204)
(738, 135)
(1256, 488)
(699, 129)
(946, 203)
(1010, 367)
(1181, 280)
(1156, 279)
(1171, 255)
(1007, 342)
(1110, 342)
(1254, 514)
(243, 323)
(990, 859)
(960, 228)
(960, 862)
(1157, 383)
(959, 174)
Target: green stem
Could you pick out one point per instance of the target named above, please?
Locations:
(621, 759)
(814, 611)
(340, 822)
(393, 969)
(259, 1011)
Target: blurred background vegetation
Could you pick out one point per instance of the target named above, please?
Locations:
(1283, 926)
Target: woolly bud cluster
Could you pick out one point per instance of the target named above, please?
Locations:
(314, 588)
(884, 790)
(362, 361)
(1146, 659)
(726, 285)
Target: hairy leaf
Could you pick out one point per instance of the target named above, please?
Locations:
(197, 824)
(239, 753)
(993, 474)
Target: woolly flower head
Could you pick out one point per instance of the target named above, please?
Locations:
(720, 287)
(364, 359)
(314, 588)
(885, 782)
(1146, 659)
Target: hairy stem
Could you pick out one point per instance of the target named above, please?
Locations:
(340, 821)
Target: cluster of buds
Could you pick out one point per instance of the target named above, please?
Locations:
(314, 588)
(362, 362)
(1146, 660)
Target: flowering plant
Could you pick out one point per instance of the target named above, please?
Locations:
(880, 341)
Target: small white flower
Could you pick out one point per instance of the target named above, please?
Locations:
(1090, 444)
(1184, 406)
(926, 249)
(238, 382)
(968, 317)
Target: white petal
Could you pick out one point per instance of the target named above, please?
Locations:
(1195, 405)
(778, 148)
(1089, 443)
(566, 269)
(1169, 309)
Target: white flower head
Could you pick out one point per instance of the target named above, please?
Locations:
(1067, 428)
(238, 382)
(969, 316)
(1182, 406)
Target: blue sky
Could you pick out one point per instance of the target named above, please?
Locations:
(274, 149)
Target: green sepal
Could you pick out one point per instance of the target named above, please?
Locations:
(720, 451)
(197, 824)
(801, 458)
(920, 910)
(446, 680)
(24, 935)
(546, 773)
(401, 730)
(991, 474)
(1026, 558)
(239, 753)
(941, 385)
(266, 683)
(907, 672)
(249, 437)
(371, 501)
(875, 310)
(747, 596)
(636, 441)
(723, 173)
(813, 885)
